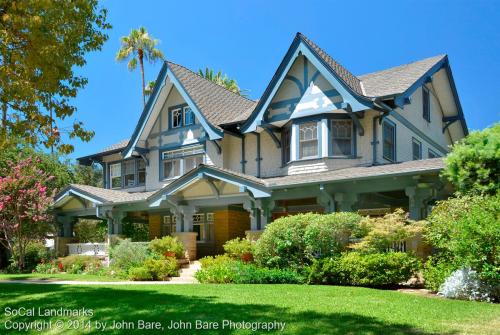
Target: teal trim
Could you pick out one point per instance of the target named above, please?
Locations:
(416, 155)
(432, 154)
(259, 158)
(296, 82)
(353, 137)
(170, 116)
(306, 74)
(298, 46)
(417, 131)
(243, 160)
(315, 76)
(136, 173)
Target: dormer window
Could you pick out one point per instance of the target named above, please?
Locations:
(176, 118)
(188, 116)
(308, 140)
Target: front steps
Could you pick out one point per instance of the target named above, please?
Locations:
(186, 274)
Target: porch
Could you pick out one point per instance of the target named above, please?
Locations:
(209, 206)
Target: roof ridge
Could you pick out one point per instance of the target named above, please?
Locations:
(341, 67)
(209, 81)
(440, 56)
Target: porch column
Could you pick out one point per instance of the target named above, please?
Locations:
(187, 213)
(178, 220)
(346, 201)
(254, 216)
(117, 222)
(65, 234)
(417, 200)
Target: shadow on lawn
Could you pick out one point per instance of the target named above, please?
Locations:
(131, 305)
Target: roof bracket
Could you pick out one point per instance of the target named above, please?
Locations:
(275, 139)
(347, 107)
(449, 120)
(212, 186)
(217, 145)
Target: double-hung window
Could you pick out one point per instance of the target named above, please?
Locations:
(180, 161)
(176, 116)
(203, 224)
(308, 140)
(342, 139)
(129, 173)
(389, 141)
(115, 175)
(141, 172)
(426, 104)
(416, 149)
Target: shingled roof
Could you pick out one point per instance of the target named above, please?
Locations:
(397, 80)
(106, 195)
(217, 104)
(347, 77)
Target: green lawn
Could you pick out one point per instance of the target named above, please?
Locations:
(304, 309)
(56, 276)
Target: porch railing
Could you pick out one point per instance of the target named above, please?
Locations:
(88, 249)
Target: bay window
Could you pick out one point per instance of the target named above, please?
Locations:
(308, 140)
(141, 172)
(129, 173)
(115, 175)
(342, 139)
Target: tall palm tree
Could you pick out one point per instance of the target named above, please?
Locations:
(222, 80)
(138, 46)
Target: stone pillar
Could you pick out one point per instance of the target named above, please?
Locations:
(250, 207)
(188, 239)
(417, 198)
(346, 201)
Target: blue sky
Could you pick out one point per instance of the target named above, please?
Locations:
(248, 39)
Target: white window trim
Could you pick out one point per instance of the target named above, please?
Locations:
(312, 140)
(352, 137)
(172, 118)
(181, 154)
(119, 164)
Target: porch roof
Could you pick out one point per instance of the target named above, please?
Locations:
(432, 165)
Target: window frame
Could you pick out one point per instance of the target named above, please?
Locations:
(184, 114)
(299, 141)
(286, 145)
(136, 162)
(111, 177)
(133, 163)
(426, 104)
(331, 138)
(417, 142)
(393, 126)
(431, 152)
(181, 117)
(180, 154)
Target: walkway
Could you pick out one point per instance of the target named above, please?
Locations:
(186, 277)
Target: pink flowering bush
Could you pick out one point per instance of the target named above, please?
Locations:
(24, 204)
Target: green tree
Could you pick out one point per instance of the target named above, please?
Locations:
(222, 80)
(41, 45)
(149, 88)
(473, 165)
(137, 46)
(88, 175)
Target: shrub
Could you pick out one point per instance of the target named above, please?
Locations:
(358, 269)
(240, 248)
(136, 229)
(473, 165)
(126, 255)
(34, 253)
(435, 272)
(87, 230)
(466, 231)
(466, 284)
(47, 268)
(385, 231)
(161, 269)
(218, 269)
(166, 245)
(252, 274)
(223, 269)
(77, 263)
(328, 234)
(139, 274)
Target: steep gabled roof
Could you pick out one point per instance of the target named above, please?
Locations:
(218, 104)
(397, 80)
(347, 77)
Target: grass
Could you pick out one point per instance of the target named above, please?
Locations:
(56, 276)
(304, 309)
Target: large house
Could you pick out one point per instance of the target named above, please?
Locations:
(209, 165)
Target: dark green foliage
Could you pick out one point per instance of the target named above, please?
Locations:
(87, 230)
(35, 253)
(223, 269)
(135, 229)
(372, 270)
(78, 263)
(155, 269)
(294, 241)
(239, 247)
(473, 165)
(435, 272)
(466, 231)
